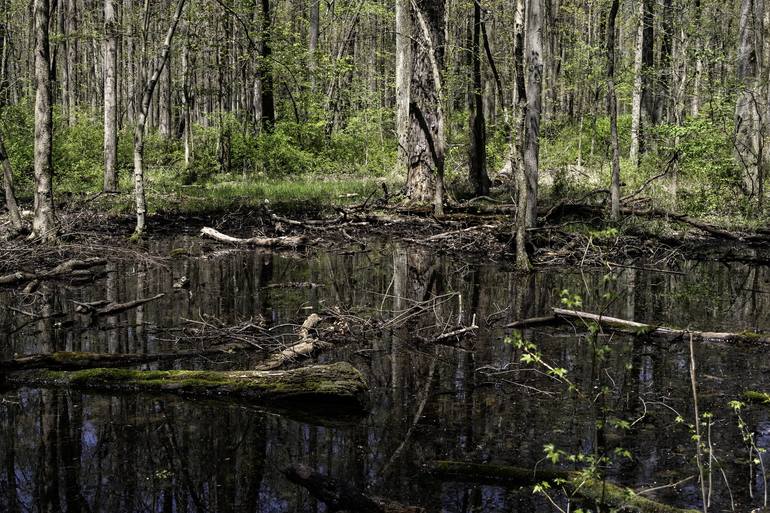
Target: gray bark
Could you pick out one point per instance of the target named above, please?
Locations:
(10, 196)
(110, 97)
(403, 77)
(534, 64)
(613, 112)
(44, 222)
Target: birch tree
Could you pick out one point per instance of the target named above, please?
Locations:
(110, 97)
(149, 88)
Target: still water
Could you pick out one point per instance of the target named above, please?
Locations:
(63, 450)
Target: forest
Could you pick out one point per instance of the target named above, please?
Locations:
(384, 256)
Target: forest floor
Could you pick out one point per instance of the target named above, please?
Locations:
(325, 216)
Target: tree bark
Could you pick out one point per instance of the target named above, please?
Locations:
(110, 96)
(534, 64)
(10, 195)
(636, 101)
(403, 78)
(613, 112)
(425, 179)
(517, 142)
(149, 88)
(44, 222)
(266, 70)
(478, 144)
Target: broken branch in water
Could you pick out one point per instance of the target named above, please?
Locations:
(574, 482)
(104, 308)
(272, 242)
(306, 346)
(638, 328)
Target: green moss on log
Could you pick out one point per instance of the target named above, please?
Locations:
(607, 493)
(339, 384)
(755, 396)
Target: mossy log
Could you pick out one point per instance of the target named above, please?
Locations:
(341, 496)
(608, 494)
(338, 385)
(562, 315)
(74, 360)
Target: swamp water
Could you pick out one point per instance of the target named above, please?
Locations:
(66, 450)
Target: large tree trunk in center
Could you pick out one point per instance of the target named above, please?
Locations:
(478, 147)
(44, 223)
(425, 178)
(534, 66)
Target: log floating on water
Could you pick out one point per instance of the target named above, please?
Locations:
(638, 328)
(270, 242)
(338, 385)
(609, 494)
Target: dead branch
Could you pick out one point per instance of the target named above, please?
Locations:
(103, 308)
(272, 242)
(67, 267)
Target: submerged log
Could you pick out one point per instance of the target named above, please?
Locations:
(106, 308)
(561, 315)
(338, 385)
(341, 496)
(271, 242)
(62, 269)
(66, 360)
(575, 483)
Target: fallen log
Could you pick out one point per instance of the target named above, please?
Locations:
(336, 386)
(340, 495)
(73, 360)
(64, 268)
(304, 348)
(575, 483)
(639, 328)
(270, 242)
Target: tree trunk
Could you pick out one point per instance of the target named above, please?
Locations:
(315, 29)
(534, 65)
(403, 78)
(266, 70)
(517, 143)
(110, 97)
(10, 196)
(747, 144)
(427, 143)
(636, 101)
(44, 222)
(165, 98)
(149, 88)
(478, 144)
(613, 112)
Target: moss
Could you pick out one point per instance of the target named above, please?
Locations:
(754, 396)
(339, 382)
(178, 252)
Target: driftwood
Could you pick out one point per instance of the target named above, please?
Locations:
(62, 269)
(65, 360)
(340, 495)
(337, 386)
(270, 242)
(105, 308)
(306, 346)
(561, 315)
(574, 483)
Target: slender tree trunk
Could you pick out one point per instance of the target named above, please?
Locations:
(746, 130)
(315, 29)
(187, 99)
(636, 101)
(696, 87)
(266, 70)
(534, 64)
(663, 94)
(44, 222)
(165, 118)
(403, 78)
(10, 196)
(517, 142)
(613, 112)
(149, 88)
(478, 147)
(110, 97)
(72, 60)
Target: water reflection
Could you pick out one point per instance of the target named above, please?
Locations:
(69, 451)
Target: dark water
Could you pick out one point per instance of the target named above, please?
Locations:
(70, 451)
